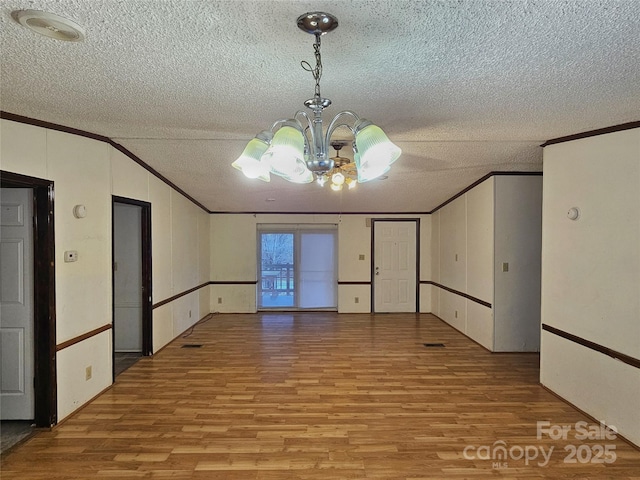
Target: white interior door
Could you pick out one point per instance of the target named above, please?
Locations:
(394, 280)
(16, 304)
(127, 251)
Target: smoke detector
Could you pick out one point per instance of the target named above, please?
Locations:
(49, 25)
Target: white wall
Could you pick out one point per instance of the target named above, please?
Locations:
(89, 172)
(80, 170)
(462, 259)
(591, 275)
(480, 253)
(434, 254)
(180, 248)
(496, 221)
(233, 258)
(480, 242)
(518, 241)
(71, 362)
(234, 252)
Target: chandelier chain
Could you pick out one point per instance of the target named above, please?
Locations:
(317, 71)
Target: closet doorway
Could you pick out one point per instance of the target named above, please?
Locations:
(131, 282)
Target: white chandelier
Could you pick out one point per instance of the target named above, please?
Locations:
(297, 153)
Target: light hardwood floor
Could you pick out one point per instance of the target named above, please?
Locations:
(318, 396)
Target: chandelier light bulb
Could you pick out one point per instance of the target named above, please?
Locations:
(337, 178)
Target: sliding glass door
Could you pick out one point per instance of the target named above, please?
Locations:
(297, 267)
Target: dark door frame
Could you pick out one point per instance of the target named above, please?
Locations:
(373, 259)
(146, 297)
(44, 294)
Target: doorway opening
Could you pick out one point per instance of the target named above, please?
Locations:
(27, 300)
(132, 337)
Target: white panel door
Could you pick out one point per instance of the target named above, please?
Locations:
(16, 304)
(394, 280)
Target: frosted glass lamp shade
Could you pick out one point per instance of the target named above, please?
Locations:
(375, 152)
(370, 171)
(249, 162)
(285, 156)
(302, 175)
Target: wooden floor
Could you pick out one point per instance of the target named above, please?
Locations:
(319, 396)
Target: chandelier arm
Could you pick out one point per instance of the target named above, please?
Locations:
(308, 130)
(305, 115)
(333, 125)
(276, 123)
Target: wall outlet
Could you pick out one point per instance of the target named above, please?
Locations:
(505, 266)
(356, 300)
(87, 373)
(219, 299)
(71, 256)
(361, 256)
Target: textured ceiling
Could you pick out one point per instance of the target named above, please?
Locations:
(463, 87)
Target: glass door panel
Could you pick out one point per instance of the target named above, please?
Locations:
(317, 272)
(277, 275)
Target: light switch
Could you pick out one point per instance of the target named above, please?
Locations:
(361, 257)
(505, 266)
(71, 256)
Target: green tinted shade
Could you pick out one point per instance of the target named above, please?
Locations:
(368, 172)
(285, 156)
(300, 176)
(249, 162)
(375, 153)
